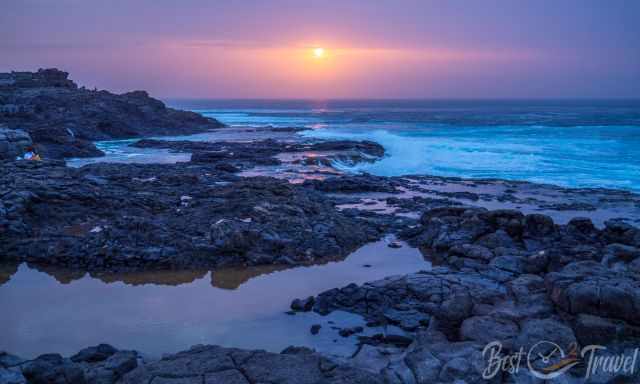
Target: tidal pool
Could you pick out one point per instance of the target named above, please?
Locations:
(53, 310)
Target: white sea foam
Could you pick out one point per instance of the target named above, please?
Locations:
(574, 156)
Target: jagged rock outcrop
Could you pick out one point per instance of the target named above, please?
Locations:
(63, 119)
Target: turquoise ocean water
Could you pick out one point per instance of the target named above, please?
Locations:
(568, 143)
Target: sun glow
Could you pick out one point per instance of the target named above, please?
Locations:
(318, 53)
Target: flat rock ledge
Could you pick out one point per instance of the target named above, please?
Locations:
(244, 155)
(104, 364)
(126, 216)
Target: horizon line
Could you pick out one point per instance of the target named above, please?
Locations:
(615, 98)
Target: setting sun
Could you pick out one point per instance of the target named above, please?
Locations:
(318, 52)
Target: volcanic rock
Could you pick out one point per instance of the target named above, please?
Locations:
(63, 119)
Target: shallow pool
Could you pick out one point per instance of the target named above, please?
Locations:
(53, 310)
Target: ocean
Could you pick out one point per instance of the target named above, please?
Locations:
(572, 143)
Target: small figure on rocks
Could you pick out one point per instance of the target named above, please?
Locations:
(30, 154)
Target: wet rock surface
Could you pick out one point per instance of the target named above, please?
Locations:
(99, 364)
(355, 184)
(415, 194)
(209, 364)
(499, 275)
(63, 119)
(109, 216)
(212, 364)
(502, 275)
(243, 155)
(505, 277)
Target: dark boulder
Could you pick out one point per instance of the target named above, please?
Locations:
(583, 226)
(101, 364)
(486, 329)
(620, 232)
(595, 330)
(590, 288)
(539, 226)
(53, 369)
(508, 220)
(303, 305)
(93, 354)
(315, 329)
(353, 184)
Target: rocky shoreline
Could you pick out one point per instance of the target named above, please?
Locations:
(210, 364)
(513, 263)
(63, 120)
(498, 275)
(506, 277)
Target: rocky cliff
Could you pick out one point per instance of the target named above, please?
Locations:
(63, 120)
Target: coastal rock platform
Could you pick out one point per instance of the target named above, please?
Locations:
(104, 364)
(106, 216)
(508, 278)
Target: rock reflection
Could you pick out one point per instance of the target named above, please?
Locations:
(233, 278)
(61, 275)
(167, 310)
(230, 278)
(159, 277)
(6, 271)
(226, 278)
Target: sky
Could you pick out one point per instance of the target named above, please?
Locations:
(372, 49)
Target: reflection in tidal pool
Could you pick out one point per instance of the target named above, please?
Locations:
(51, 310)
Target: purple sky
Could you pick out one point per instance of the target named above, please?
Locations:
(375, 49)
